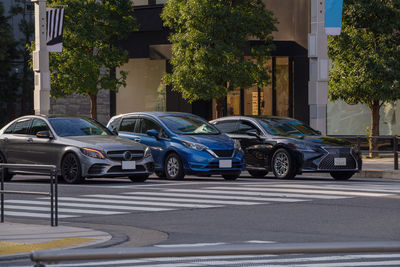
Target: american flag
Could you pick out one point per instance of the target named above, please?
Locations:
(55, 25)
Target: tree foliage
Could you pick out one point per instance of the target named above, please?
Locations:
(90, 52)
(209, 38)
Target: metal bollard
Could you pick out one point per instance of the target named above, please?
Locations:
(396, 154)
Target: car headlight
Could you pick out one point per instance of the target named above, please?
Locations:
(195, 146)
(147, 152)
(237, 144)
(93, 153)
(304, 148)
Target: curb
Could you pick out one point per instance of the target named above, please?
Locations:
(366, 173)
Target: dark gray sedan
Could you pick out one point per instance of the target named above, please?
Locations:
(79, 147)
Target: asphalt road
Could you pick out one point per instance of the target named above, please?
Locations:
(205, 211)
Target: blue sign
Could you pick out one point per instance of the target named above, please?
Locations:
(333, 16)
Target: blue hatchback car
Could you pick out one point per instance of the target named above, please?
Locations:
(182, 143)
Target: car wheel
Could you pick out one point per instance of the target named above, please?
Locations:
(173, 167)
(258, 174)
(160, 174)
(283, 165)
(7, 176)
(341, 176)
(139, 178)
(231, 177)
(71, 170)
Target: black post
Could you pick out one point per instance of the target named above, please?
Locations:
(2, 194)
(51, 199)
(56, 195)
(396, 154)
(359, 143)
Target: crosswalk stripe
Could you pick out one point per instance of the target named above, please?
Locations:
(224, 192)
(235, 195)
(351, 264)
(101, 212)
(317, 196)
(37, 215)
(87, 205)
(189, 245)
(329, 192)
(137, 202)
(177, 200)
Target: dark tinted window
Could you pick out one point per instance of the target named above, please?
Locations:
(227, 126)
(22, 127)
(10, 128)
(184, 124)
(278, 126)
(147, 124)
(128, 125)
(78, 127)
(244, 126)
(38, 126)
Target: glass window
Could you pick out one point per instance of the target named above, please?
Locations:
(286, 127)
(22, 126)
(10, 129)
(114, 124)
(77, 127)
(38, 126)
(282, 86)
(189, 125)
(233, 102)
(128, 125)
(227, 126)
(245, 126)
(146, 124)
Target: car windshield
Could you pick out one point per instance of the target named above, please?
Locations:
(286, 127)
(77, 127)
(188, 125)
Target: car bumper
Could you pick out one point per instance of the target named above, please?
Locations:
(92, 167)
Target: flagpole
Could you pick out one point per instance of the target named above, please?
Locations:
(41, 61)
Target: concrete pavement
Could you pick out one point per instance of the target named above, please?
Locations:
(19, 239)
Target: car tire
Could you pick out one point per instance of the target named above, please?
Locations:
(283, 164)
(7, 176)
(71, 170)
(231, 177)
(258, 173)
(139, 178)
(341, 176)
(173, 167)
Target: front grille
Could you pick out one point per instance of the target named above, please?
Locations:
(224, 153)
(215, 165)
(328, 163)
(119, 169)
(119, 154)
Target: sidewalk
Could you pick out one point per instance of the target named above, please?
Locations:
(17, 240)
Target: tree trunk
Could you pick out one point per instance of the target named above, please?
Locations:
(93, 106)
(374, 131)
(221, 107)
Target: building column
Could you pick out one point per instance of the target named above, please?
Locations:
(319, 67)
(41, 61)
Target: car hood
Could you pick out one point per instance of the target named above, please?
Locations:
(319, 140)
(217, 141)
(105, 143)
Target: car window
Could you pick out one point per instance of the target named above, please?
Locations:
(22, 126)
(64, 126)
(114, 124)
(245, 126)
(227, 126)
(189, 125)
(286, 127)
(10, 129)
(146, 124)
(128, 125)
(38, 125)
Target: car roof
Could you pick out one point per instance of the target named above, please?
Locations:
(156, 114)
(254, 117)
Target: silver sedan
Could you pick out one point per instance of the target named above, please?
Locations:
(79, 147)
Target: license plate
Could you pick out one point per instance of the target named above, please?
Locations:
(128, 165)
(225, 163)
(340, 162)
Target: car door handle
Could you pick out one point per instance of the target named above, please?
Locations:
(136, 140)
(29, 140)
(5, 139)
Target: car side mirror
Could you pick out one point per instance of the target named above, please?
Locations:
(253, 132)
(319, 132)
(114, 131)
(153, 132)
(44, 135)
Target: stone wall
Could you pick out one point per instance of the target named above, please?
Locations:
(79, 105)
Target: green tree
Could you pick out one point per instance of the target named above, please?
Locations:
(209, 39)
(91, 53)
(8, 78)
(366, 57)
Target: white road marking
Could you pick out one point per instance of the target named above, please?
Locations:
(101, 212)
(31, 214)
(189, 245)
